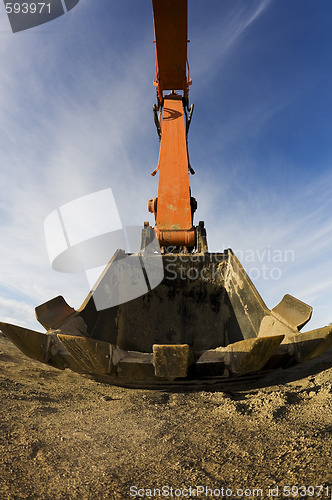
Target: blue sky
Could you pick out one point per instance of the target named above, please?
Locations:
(76, 99)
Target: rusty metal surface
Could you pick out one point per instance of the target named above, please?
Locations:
(53, 312)
(294, 311)
(172, 361)
(204, 321)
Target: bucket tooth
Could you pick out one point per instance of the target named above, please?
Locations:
(310, 345)
(53, 312)
(91, 355)
(43, 347)
(172, 361)
(293, 311)
(34, 344)
(251, 355)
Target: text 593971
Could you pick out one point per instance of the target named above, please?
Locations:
(28, 8)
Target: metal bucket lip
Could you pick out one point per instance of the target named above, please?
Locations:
(137, 369)
(271, 341)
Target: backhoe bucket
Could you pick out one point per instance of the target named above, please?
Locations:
(172, 319)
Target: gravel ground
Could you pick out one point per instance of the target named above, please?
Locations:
(65, 436)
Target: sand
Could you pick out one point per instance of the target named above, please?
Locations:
(66, 436)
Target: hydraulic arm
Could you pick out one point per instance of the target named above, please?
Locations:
(174, 207)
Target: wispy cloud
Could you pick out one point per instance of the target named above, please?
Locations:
(211, 48)
(67, 129)
(284, 241)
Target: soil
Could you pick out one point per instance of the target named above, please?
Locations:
(65, 436)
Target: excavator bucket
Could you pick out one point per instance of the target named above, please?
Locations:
(203, 322)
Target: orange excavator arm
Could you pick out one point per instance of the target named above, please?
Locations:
(174, 206)
(171, 38)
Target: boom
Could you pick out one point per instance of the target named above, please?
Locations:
(174, 207)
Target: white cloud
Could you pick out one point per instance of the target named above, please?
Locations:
(62, 136)
(299, 227)
(210, 48)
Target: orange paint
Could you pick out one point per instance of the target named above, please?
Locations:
(171, 28)
(174, 220)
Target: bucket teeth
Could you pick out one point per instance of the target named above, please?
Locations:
(36, 345)
(43, 347)
(293, 311)
(251, 355)
(310, 345)
(171, 361)
(53, 312)
(245, 356)
(92, 356)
